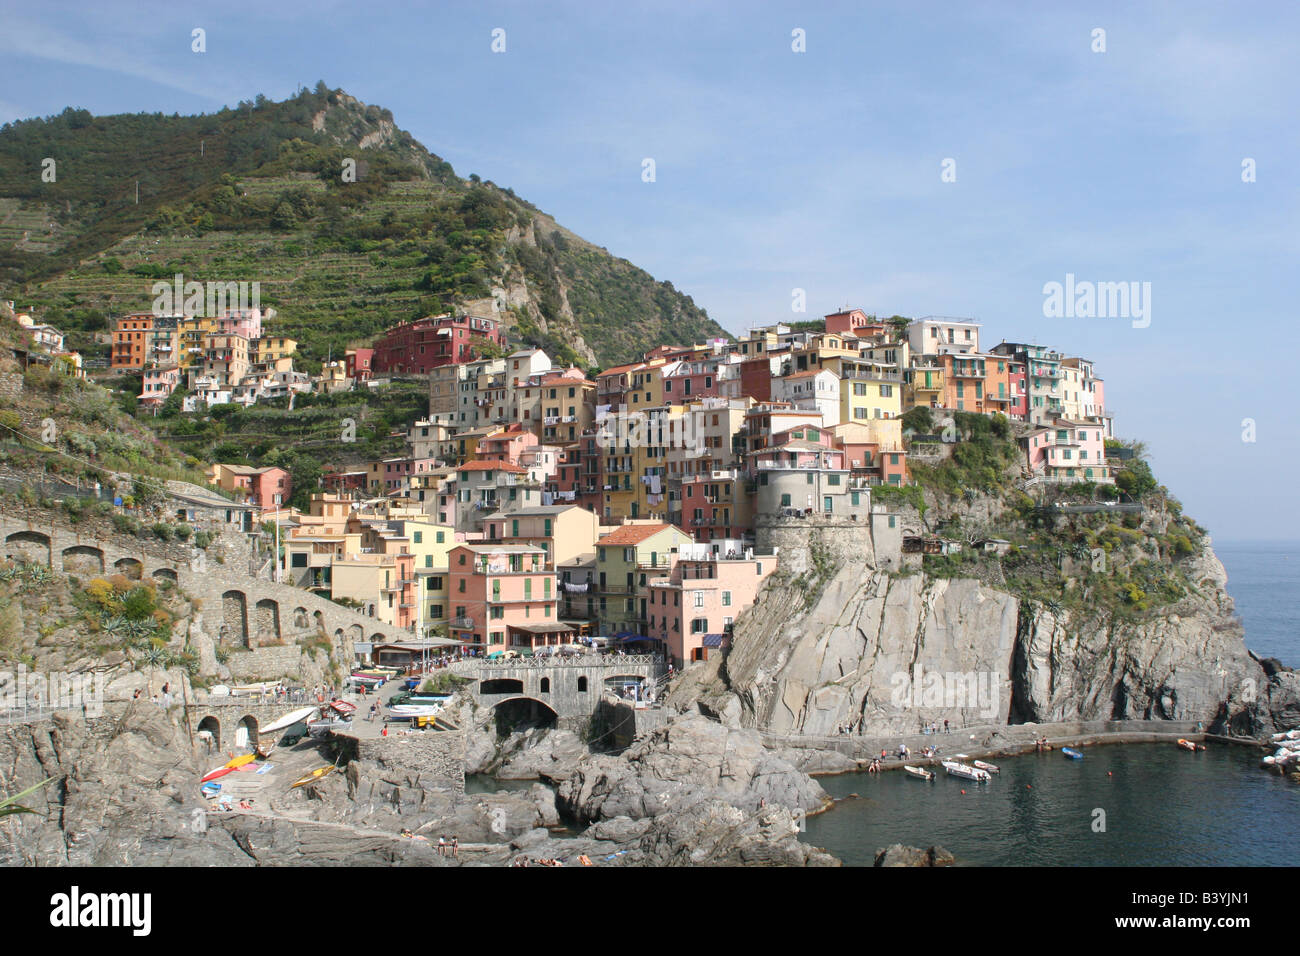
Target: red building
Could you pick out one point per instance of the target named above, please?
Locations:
(413, 348)
(359, 364)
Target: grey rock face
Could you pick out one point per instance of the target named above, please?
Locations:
(691, 760)
(887, 655)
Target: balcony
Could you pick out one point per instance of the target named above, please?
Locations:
(460, 623)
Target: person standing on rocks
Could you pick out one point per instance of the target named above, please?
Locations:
(945, 726)
(455, 846)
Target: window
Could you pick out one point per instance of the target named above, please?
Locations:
(418, 536)
(699, 598)
(726, 599)
(441, 536)
(833, 480)
(435, 583)
(461, 587)
(785, 501)
(496, 612)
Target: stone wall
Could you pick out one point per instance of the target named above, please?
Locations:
(438, 757)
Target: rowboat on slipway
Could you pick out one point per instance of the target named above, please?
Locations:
(919, 773)
(990, 767)
(966, 771)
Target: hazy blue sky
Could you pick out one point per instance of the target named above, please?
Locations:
(820, 170)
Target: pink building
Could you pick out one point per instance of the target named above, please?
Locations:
(503, 596)
(690, 379)
(1067, 450)
(505, 445)
(692, 610)
(158, 384)
(245, 322)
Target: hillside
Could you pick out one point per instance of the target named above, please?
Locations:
(71, 430)
(256, 193)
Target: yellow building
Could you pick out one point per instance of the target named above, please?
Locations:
(869, 391)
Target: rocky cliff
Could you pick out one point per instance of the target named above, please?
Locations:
(889, 653)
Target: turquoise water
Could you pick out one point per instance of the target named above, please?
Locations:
(1163, 806)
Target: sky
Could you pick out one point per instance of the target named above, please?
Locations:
(913, 159)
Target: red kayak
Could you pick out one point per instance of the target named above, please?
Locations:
(219, 772)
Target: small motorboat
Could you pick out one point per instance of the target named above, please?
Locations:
(990, 767)
(1188, 745)
(314, 775)
(967, 772)
(1071, 753)
(210, 790)
(919, 773)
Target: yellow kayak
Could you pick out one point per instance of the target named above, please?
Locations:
(314, 775)
(240, 761)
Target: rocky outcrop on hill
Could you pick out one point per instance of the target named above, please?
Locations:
(887, 654)
(692, 760)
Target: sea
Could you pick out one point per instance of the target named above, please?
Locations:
(1215, 808)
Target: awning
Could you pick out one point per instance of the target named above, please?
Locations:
(713, 640)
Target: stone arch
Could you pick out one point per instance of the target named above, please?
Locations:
(83, 559)
(582, 685)
(300, 619)
(357, 633)
(318, 619)
(129, 568)
(246, 732)
(378, 638)
(268, 620)
(340, 639)
(165, 574)
(234, 617)
(510, 713)
(211, 727)
(29, 547)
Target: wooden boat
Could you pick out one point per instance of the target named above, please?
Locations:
(314, 775)
(343, 707)
(1072, 753)
(966, 771)
(919, 773)
(990, 767)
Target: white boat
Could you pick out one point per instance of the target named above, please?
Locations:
(407, 711)
(245, 690)
(919, 773)
(966, 772)
(288, 720)
(990, 767)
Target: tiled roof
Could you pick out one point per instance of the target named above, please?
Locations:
(632, 534)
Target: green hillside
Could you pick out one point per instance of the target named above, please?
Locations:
(257, 193)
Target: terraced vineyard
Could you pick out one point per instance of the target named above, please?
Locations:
(255, 195)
